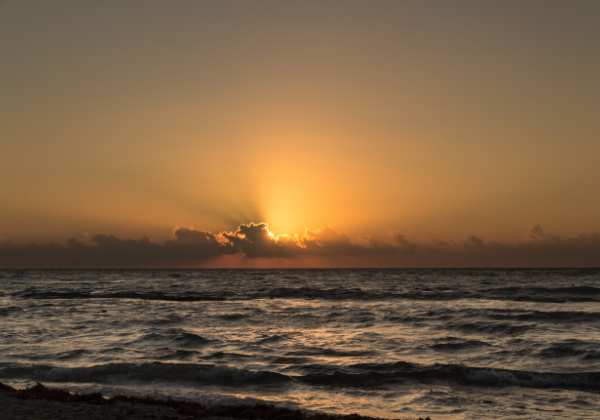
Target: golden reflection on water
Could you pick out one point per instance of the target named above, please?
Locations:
(397, 404)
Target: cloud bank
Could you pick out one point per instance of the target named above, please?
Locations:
(254, 242)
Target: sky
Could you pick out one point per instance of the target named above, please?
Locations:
(299, 133)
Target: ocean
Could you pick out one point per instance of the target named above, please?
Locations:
(448, 344)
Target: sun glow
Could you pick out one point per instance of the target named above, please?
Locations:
(283, 238)
(276, 237)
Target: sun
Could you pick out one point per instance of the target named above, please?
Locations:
(276, 237)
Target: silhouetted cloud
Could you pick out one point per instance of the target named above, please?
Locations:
(254, 240)
(190, 247)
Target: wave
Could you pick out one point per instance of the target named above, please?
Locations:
(227, 355)
(539, 316)
(547, 294)
(492, 328)
(328, 352)
(176, 336)
(498, 314)
(179, 355)
(189, 339)
(9, 310)
(234, 316)
(457, 344)
(571, 348)
(374, 375)
(275, 338)
(66, 355)
(532, 294)
(578, 290)
(284, 292)
(75, 294)
(118, 373)
(359, 375)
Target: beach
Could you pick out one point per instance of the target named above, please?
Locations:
(40, 402)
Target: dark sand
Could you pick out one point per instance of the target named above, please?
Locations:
(40, 402)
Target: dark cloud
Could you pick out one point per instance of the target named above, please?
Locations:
(190, 247)
(254, 240)
(187, 248)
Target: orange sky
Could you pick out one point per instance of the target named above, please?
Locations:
(373, 119)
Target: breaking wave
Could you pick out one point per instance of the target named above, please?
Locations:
(359, 375)
(531, 294)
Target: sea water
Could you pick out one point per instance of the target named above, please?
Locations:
(392, 343)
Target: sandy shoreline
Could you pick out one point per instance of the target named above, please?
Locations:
(40, 402)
